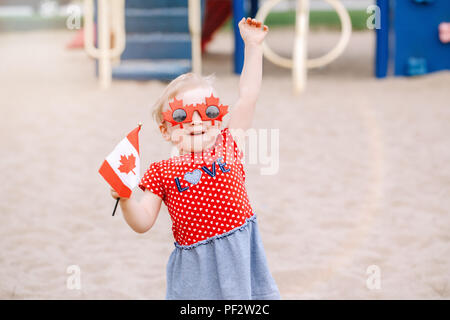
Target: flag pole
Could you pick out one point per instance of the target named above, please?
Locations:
(115, 207)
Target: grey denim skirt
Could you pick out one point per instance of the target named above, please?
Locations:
(229, 266)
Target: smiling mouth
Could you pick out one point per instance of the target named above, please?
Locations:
(198, 133)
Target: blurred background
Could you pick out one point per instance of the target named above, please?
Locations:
(359, 207)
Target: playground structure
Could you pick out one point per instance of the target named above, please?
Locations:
(162, 39)
(138, 39)
(412, 39)
(300, 62)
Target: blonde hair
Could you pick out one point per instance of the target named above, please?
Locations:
(179, 84)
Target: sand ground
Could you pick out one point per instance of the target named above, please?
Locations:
(363, 179)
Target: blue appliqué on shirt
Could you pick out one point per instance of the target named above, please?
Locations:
(194, 177)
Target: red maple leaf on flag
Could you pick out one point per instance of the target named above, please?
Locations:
(128, 163)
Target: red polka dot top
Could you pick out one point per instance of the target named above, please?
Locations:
(204, 192)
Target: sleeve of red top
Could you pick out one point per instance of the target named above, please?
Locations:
(152, 181)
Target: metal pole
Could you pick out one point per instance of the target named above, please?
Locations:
(238, 14)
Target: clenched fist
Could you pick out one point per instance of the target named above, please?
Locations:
(114, 194)
(252, 31)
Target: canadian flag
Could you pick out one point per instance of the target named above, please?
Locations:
(121, 167)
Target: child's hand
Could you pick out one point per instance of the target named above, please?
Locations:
(115, 195)
(251, 31)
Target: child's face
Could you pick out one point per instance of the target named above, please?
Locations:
(196, 135)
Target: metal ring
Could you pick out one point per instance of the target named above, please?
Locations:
(316, 62)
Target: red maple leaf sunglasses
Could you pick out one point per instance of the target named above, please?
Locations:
(179, 113)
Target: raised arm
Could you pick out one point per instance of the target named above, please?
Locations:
(253, 34)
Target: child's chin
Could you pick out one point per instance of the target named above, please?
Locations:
(196, 144)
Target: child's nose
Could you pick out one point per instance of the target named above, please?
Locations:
(196, 118)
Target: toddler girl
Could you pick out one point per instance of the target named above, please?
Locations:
(218, 251)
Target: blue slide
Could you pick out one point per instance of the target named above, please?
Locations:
(158, 43)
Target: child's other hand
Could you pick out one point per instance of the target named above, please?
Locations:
(251, 31)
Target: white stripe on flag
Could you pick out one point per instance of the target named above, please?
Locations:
(125, 148)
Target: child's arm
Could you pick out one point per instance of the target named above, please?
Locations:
(140, 216)
(251, 76)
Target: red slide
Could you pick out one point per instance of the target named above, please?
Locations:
(217, 13)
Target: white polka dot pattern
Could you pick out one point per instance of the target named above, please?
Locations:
(205, 206)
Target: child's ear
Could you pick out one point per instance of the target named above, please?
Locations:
(164, 131)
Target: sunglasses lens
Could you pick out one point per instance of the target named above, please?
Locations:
(179, 115)
(212, 112)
